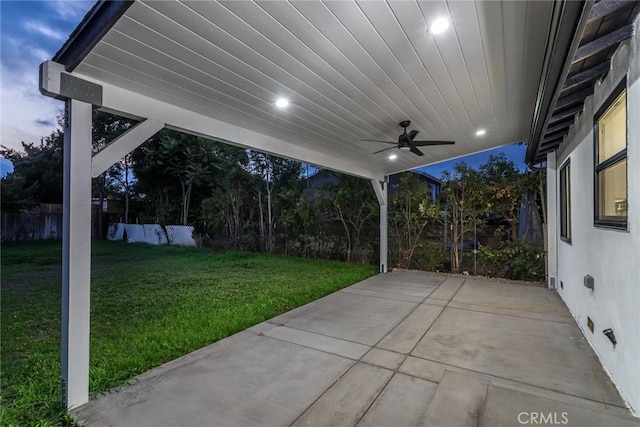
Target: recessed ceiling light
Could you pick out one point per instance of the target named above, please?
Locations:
(282, 103)
(393, 156)
(439, 26)
(480, 132)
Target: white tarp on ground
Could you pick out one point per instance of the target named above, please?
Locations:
(116, 231)
(154, 234)
(135, 233)
(181, 235)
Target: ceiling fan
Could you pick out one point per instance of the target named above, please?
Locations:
(406, 141)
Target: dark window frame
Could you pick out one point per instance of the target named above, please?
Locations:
(621, 223)
(565, 201)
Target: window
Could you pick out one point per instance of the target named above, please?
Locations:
(565, 202)
(611, 161)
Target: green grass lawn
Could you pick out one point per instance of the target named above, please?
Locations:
(149, 305)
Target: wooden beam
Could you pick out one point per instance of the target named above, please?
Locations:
(569, 112)
(561, 132)
(587, 75)
(574, 98)
(602, 43)
(606, 7)
(123, 145)
(551, 139)
(547, 150)
(559, 126)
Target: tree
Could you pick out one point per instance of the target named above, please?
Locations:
(170, 163)
(37, 172)
(105, 129)
(464, 193)
(412, 210)
(231, 196)
(276, 174)
(352, 203)
(505, 187)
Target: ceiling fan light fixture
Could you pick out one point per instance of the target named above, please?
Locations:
(439, 26)
(404, 147)
(282, 103)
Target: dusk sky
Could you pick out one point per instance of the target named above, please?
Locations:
(32, 31)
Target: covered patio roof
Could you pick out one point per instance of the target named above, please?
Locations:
(351, 71)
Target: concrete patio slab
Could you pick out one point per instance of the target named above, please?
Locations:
(501, 295)
(546, 354)
(434, 371)
(348, 399)
(402, 283)
(259, 381)
(387, 295)
(457, 403)
(433, 301)
(384, 358)
(511, 312)
(524, 408)
(336, 346)
(404, 337)
(425, 369)
(403, 402)
(447, 289)
(330, 363)
(353, 317)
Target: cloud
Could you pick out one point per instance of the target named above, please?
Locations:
(26, 114)
(70, 10)
(39, 27)
(44, 122)
(31, 32)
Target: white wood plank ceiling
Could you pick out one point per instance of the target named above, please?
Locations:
(351, 70)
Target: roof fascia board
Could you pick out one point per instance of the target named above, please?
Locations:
(568, 23)
(95, 24)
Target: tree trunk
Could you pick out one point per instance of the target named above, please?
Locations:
(270, 220)
(455, 261)
(101, 197)
(236, 203)
(347, 234)
(126, 190)
(187, 203)
(261, 213)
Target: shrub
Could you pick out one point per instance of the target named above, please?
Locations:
(429, 256)
(513, 260)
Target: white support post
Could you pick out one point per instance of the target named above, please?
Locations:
(380, 187)
(76, 253)
(552, 221)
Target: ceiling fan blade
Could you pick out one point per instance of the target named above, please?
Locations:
(413, 134)
(427, 143)
(377, 140)
(385, 149)
(415, 151)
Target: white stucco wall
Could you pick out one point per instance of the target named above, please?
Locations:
(612, 257)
